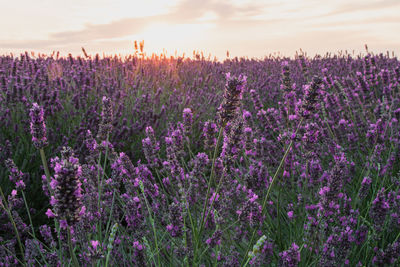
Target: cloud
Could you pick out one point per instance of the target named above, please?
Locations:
(187, 11)
(115, 29)
(362, 21)
(357, 6)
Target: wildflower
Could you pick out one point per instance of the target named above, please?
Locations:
(310, 97)
(33, 248)
(388, 256)
(45, 232)
(90, 142)
(16, 176)
(251, 211)
(233, 94)
(379, 209)
(215, 239)
(187, 120)
(175, 228)
(232, 143)
(249, 145)
(330, 194)
(256, 100)
(38, 126)
(290, 214)
(365, 187)
(337, 247)
(286, 82)
(67, 193)
(151, 147)
(105, 126)
(209, 131)
(290, 257)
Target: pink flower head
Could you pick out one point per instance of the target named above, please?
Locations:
(94, 244)
(50, 213)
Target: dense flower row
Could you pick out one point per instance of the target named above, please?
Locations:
(200, 163)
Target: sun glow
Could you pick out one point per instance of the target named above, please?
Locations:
(164, 38)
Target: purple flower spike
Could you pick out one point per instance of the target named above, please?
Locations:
(234, 88)
(290, 257)
(310, 97)
(16, 176)
(38, 126)
(105, 126)
(68, 191)
(187, 120)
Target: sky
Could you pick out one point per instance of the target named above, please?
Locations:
(245, 28)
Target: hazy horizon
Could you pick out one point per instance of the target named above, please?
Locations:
(251, 29)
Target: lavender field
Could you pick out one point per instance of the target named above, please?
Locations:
(172, 161)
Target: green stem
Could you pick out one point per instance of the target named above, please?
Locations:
(247, 262)
(99, 186)
(278, 217)
(33, 229)
(152, 223)
(29, 214)
(202, 221)
(51, 191)
(46, 170)
(280, 166)
(6, 208)
(248, 249)
(71, 250)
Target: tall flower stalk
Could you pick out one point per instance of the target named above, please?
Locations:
(227, 111)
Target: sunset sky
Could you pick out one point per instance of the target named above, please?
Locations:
(245, 28)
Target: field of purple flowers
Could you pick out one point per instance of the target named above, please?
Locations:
(190, 162)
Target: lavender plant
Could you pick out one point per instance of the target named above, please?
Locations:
(280, 162)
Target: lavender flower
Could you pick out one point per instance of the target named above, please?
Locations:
(251, 211)
(365, 187)
(209, 132)
(38, 126)
(105, 126)
(232, 96)
(215, 239)
(16, 176)
(187, 120)
(45, 232)
(337, 247)
(256, 100)
(175, 228)
(33, 249)
(290, 257)
(67, 190)
(379, 209)
(388, 256)
(151, 147)
(310, 97)
(330, 194)
(232, 143)
(286, 81)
